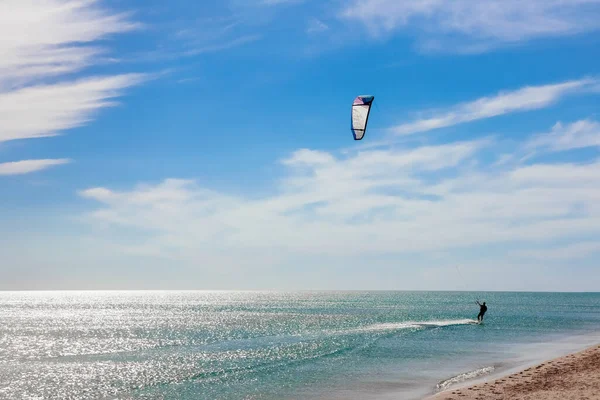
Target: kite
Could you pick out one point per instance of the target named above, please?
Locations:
(360, 115)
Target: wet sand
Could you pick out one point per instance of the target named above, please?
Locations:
(575, 376)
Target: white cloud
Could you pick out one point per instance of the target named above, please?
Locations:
(45, 110)
(562, 253)
(576, 135)
(524, 99)
(42, 43)
(29, 166)
(309, 157)
(374, 202)
(473, 25)
(316, 26)
(563, 175)
(579, 134)
(39, 39)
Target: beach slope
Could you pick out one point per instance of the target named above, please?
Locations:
(576, 376)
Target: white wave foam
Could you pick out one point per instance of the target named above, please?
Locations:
(392, 326)
(447, 322)
(463, 377)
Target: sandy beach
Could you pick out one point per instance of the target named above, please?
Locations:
(575, 376)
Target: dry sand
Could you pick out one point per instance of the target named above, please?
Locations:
(576, 376)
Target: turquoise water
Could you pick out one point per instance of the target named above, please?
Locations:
(266, 345)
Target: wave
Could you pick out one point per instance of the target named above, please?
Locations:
(443, 385)
(447, 322)
(345, 346)
(349, 346)
(392, 326)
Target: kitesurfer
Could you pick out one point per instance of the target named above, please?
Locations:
(482, 310)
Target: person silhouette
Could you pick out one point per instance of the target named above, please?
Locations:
(482, 310)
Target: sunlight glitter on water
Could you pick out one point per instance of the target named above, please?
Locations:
(262, 345)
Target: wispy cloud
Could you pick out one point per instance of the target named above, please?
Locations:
(316, 26)
(53, 37)
(579, 134)
(42, 44)
(228, 44)
(471, 25)
(210, 35)
(45, 110)
(422, 199)
(29, 166)
(524, 99)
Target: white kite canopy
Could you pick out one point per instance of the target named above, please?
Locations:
(361, 107)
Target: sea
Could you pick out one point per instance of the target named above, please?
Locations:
(277, 345)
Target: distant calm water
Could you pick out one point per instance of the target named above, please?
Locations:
(265, 345)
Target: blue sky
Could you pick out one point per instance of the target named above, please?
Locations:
(207, 146)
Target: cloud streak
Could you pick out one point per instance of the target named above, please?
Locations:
(579, 134)
(239, 41)
(475, 26)
(50, 38)
(316, 26)
(524, 99)
(28, 166)
(45, 110)
(42, 44)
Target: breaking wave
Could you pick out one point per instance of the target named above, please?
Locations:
(443, 385)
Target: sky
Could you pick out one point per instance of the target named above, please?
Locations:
(207, 145)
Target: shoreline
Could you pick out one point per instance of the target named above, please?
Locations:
(572, 376)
